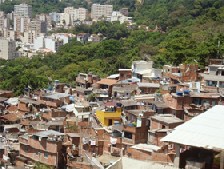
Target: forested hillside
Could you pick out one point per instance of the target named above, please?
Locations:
(189, 31)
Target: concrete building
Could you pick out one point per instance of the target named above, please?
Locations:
(124, 11)
(45, 18)
(55, 16)
(144, 70)
(76, 14)
(4, 21)
(11, 34)
(66, 37)
(98, 11)
(7, 49)
(214, 77)
(69, 10)
(28, 37)
(118, 16)
(23, 10)
(21, 24)
(80, 14)
(65, 19)
(38, 26)
(38, 42)
(52, 43)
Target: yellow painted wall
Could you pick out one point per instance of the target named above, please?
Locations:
(104, 117)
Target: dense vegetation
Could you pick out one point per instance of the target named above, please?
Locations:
(188, 32)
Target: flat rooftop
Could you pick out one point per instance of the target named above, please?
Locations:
(167, 118)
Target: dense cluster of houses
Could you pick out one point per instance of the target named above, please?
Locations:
(129, 117)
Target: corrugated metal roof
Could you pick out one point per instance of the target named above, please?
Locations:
(56, 96)
(205, 130)
(113, 76)
(48, 133)
(151, 85)
(146, 147)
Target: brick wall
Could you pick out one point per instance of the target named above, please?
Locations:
(159, 125)
(79, 165)
(39, 155)
(154, 138)
(154, 125)
(139, 154)
(161, 157)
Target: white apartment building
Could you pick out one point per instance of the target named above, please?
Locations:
(144, 70)
(80, 14)
(52, 43)
(118, 16)
(71, 14)
(98, 11)
(24, 10)
(7, 49)
(66, 37)
(65, 19)
(39, 42)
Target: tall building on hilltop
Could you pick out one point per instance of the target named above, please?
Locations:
(7, 48)
(98, 11)
(23, 10)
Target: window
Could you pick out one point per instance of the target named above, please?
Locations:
(26, 148)
(128, 135)
(46, 154)
(222, 73)
(110, 122)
